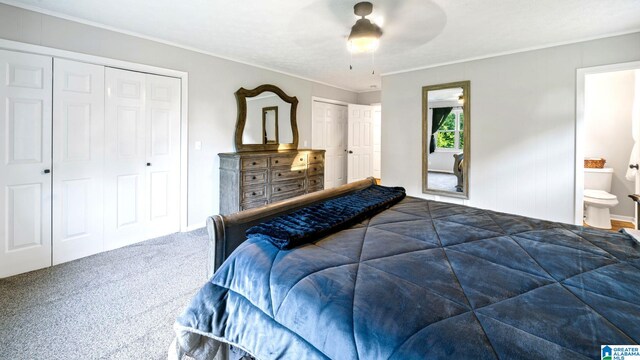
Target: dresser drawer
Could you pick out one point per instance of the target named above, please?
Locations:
(255, 163)
(252, 205)
(315, 181)
(286, 174)
(255, 193)
(291, 161)
(316, 158)
(315, 169)
(250, 178)
(286, 196)
(287, 188)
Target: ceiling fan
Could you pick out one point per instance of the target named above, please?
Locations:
(365, 35)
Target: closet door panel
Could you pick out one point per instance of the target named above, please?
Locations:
(25, 154)
(163, 153)
(78, 159)
(125, 159)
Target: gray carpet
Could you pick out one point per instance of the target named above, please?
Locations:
(116, 305)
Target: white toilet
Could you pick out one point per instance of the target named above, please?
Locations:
(597, 199)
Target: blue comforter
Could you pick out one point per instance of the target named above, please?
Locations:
(425, 279)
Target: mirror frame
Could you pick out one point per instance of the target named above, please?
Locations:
(241, 99)
(264, 124)
(466, 90)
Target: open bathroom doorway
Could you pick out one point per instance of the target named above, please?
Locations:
(607, 127)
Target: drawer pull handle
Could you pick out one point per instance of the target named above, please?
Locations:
(276, 161)
(253, 163)
(279, 174)
(314, 169)
(315, 158)
(301, 159)
(278, 189)
(299, 172)
(299, 185)
(253, 178)
(253, 193)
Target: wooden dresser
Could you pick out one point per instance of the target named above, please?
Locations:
(257, 178)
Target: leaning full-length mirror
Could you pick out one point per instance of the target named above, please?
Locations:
(446, 139)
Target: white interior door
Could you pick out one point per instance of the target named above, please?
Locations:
(142, 159)
(637, 149)
(25, 154)
(329, 132)
(162, 109)
(360, 142)
(125, 197)
(635, 129)
(377, 141)
(78, 159)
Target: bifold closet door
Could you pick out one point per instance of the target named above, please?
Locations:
(25, 162)
(163, 154)
(78, 159)
(142, 158)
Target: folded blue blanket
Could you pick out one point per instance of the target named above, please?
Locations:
(314, 222)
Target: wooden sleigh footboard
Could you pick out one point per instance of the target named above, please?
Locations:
(227, 232)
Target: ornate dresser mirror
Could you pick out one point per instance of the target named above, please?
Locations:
(446, 139)
(266, 120)
(267, 166)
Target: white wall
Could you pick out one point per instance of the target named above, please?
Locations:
(607, 124)
(522, 125)
(369, 97)
(212, 83)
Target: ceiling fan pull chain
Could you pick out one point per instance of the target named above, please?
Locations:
(373, 63)
(350, 60)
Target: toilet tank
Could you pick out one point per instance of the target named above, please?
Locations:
(598, 179)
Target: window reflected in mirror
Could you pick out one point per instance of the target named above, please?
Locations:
(446, 139)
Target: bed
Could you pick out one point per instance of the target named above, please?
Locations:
(421, 279)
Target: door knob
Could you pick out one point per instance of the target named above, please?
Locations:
(46, 171)
(148, 164)
(350, 152)
(634, 166)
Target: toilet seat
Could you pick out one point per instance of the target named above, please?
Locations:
(599, 195)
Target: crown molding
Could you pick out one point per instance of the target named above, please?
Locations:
(533, 48)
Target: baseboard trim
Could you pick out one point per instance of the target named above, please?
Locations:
(195, 226)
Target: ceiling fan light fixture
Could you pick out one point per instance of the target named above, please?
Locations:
(365, 35)
(363, 44)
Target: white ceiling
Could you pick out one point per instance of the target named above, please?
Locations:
(307, 38)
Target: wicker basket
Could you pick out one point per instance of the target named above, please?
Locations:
(594, 163)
